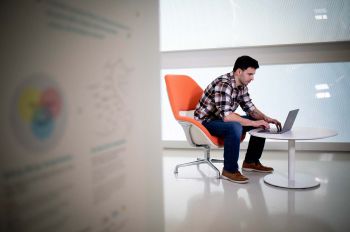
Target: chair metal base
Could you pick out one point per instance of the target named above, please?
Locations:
(206, 160)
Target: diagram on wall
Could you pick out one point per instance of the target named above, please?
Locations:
(38, 113)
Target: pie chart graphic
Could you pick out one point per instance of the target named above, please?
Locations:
(38, 113)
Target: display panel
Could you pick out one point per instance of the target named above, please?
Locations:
(74, 155)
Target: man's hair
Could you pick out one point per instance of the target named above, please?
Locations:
(245, 62)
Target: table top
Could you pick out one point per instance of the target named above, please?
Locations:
(299, 133)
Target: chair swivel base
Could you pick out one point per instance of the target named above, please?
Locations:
(197, 162)
(217, 161)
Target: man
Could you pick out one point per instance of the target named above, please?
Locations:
(216, 110)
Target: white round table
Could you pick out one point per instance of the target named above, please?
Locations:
(293, 180)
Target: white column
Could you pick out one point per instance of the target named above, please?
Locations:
(291, 160)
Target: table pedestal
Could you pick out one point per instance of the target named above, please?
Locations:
(294, 181)
(301, 181)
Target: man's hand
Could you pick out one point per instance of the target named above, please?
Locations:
(274, 121)
(261, 123)
(257, 114)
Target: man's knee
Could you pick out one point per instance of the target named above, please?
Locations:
(234, 130)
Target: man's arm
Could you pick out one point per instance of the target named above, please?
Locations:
(257, 114)
(233, 117)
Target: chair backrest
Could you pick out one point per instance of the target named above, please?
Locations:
(184, 94)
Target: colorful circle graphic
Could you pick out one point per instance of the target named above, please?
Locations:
(38, 114)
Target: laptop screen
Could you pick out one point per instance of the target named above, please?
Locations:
(290, 120)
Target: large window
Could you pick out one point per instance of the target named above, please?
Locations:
(201, 24)
(320, 91)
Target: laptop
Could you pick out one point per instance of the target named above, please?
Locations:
(287, 125)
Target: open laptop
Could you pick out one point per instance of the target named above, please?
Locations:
(287, 125)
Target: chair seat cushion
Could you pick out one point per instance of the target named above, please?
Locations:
(199, 132)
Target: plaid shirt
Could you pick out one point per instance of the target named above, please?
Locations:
(222, 98)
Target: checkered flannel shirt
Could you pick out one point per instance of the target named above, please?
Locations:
(222, 98)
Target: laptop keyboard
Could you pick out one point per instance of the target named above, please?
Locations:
(270, 131)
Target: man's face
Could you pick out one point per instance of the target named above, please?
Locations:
(246, 76)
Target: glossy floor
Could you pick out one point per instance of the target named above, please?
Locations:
(195, 200)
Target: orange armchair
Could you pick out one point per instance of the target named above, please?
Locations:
(184, 94)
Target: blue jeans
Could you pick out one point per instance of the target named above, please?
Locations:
(231, 132)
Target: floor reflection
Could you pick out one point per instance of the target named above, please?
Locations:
(195, 200)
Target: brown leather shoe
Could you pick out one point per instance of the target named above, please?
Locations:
(236, 177)
(256, 167)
